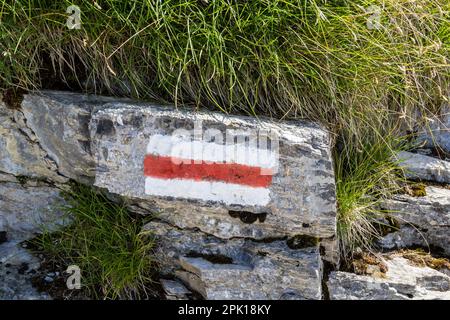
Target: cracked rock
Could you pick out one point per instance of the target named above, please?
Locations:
(331, 253)
(20, 153)
(60, 121)
(16, 271)
(421, 167)
(424, 221)
(238, 268)
(402, 281)
(26, 210)
(175, 290)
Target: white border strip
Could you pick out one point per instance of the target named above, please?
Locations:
(182, 148)
(227, 193)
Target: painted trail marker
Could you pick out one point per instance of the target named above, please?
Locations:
(233, 174)
(198, 169)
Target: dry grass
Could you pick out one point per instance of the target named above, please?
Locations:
(423, 259)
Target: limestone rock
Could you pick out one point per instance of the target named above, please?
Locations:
(20, 153)
(423, 221)
(436, 239)
(175, 290)
(25, 210)
(438, 134)
(4, 177)
(16, 270)
(238, 268)
(402, 281)
(301, 196)
(216, 221)
(331, 252)
(60, 122)
(421, 167)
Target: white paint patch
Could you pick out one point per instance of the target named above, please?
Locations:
(119, 120)
(228, 193)
(184, 148)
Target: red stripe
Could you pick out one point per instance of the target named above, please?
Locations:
(171, 168)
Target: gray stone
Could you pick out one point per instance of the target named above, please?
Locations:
(20, 153)
(423, 220)
(212, 220)
(438, 132)
(435, 239)
(175, 290)
(15, 284)
(237, 268)
(218, 281)
(60, 121)
(26, 210)
(331, 252)
(302, 193)
(420, 167)
(8, 178)
(402, 281)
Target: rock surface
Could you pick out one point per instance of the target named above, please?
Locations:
(438, 133)
(238, 268)
(60, 120)
(175, 290)
(302, 193)
(421, 167)
(26, 209)
(20, 152)
(330, 251)
(17, 267)
(423, 221)
(402, 281)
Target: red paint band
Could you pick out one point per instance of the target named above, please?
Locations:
(173, 168)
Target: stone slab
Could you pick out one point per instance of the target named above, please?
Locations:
(421, 167)
(423, 221)
(237, 268)
(26, 210)
(402, 281)
(300, 196)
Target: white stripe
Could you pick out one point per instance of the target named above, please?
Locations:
(183, 148)
(216, 191)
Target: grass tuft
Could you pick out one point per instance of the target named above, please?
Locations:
(366, 174)
(114, 255)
